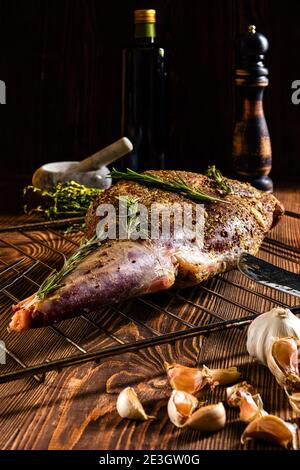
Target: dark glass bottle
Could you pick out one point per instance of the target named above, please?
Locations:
(144, 97)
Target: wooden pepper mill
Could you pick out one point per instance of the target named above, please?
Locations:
(252, 154)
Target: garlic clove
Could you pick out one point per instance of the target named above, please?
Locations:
(187, 379)
(285, 353)
(129, 406)
(224, 376)
(210, 418)
(277, 323)
(271, 429)
(193, 380)
(181, 405)
(234, 393)
(281, 361)
(251, 407)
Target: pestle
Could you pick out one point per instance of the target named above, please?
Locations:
(91, 172)
(106, 156)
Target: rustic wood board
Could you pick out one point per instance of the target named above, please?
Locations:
(72, 409)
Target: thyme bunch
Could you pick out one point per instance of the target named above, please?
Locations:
(64, 200)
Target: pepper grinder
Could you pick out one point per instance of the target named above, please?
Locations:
(252, 154)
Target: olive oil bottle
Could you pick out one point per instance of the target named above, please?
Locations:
(144, 96)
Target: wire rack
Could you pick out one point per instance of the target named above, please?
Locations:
(30, 252)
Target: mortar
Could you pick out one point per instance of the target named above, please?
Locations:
(91, 172)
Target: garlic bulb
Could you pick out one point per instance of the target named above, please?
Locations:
(271, 429)
(181, 405)
(277, 323)
(210, 418)
(129, 406)
(273, 339)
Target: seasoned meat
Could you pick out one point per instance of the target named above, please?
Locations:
(122, 269)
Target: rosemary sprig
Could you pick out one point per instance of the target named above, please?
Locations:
(176, 184)
(213, 173)
(54, 281)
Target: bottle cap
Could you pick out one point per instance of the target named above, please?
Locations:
(144, 16)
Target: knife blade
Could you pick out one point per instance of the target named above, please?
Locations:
(269, 275)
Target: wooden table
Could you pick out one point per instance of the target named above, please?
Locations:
(72, 409)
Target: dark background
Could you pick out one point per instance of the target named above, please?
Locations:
(61, 61)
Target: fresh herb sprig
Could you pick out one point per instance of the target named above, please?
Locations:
(62, 201)
(54, 281)
(132, 221)
(130, 202)
(213, 173)
(175, 184)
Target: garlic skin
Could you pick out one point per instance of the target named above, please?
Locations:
(188, 379)
(210, 418)
(235, 392)
(271, 429)
(251, 407)
(277, 323)
(294, 400)
(129, 406)
(244, 397)
(181, 406)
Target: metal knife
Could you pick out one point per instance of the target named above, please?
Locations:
(269, 275)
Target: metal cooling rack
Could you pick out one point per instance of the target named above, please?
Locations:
(74, 342)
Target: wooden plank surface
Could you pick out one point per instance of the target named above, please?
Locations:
(72, 409)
